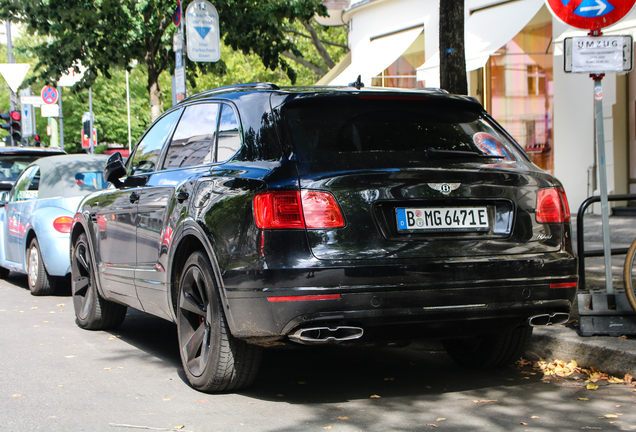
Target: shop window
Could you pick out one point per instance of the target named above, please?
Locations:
(402, 72)
(521, 90)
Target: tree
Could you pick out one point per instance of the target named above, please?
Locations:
(452, 57)
(108, 34)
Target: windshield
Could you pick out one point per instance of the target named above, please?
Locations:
(12, 165)
(391, 128)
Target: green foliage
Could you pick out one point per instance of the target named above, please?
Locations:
(106, 35)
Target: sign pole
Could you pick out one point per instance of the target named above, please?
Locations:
(91, 150)
(61, 117)
(600, 142)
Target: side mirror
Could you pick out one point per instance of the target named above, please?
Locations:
(4, 197)
(114, 169)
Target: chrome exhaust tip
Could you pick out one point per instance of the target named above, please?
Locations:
(326, 335)
(549, 319)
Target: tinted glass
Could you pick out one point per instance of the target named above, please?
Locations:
(149, 148)
(193, 141)
(388, 128)
(229, 140)
(90, 180)
(27, 186)
(12, 165)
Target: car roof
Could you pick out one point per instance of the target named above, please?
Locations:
(57, 173)
(434, 93)
(44, 151)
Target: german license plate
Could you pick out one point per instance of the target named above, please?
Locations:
(442, 218)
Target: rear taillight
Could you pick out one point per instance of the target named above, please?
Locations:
(552, 206)
(285, 210)
(63, 224)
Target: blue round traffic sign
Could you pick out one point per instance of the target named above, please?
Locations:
(590, 14)
(49, 95)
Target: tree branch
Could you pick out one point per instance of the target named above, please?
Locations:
(325, 42)
(316, 69)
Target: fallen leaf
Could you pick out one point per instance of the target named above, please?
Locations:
(523, 362)
(441, 419)
(524, 423)
(486, 401)
(202, 401)
(431, 424)
(34, 308)
(617, 406)
(107, 368)
(16, 395)
(591, 387)
(610, 416)
(179, 427)
(615, 380)
(534, 417)
(60, 304)
(628, 378)
(327, 427)
(70, 356)
(612, 422)
(584, 399)
(622, 337)
(343, 418)
(375, 397)
(389, 379)
(167, 399)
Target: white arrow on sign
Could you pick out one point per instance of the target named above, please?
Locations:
(14, 73)
(599, 5)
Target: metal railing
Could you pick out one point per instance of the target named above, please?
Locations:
(580, 241)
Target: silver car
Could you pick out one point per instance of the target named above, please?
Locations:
(36, 216)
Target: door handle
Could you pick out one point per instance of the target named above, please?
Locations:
(134, 197)
(182, 196)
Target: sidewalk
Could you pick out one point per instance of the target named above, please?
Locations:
(611, 355)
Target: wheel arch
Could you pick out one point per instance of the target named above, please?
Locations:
(189, 238)
(78, 228)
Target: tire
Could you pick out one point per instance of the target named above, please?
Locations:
(38, 279)
(91, 310)
(488, 350)
(4, 273)
(629, 275)
(213, 360)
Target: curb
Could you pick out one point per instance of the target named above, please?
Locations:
(610, 355)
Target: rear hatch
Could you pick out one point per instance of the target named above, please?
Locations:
(415, 176)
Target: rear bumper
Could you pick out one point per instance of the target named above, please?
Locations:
(401, 302)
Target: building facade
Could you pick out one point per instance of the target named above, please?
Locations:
(514, 59)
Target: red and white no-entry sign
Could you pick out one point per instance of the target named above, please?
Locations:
(590, 14)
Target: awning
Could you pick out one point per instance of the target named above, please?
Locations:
(373, 55)
(336, 70)
(486, 31)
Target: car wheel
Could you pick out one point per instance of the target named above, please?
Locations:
(212, 358)
(4, 273)
(38, 278)
(488, 350)
(91, 310)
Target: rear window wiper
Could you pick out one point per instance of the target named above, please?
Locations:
(434, 153)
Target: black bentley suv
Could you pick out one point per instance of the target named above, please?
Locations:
(255, 215)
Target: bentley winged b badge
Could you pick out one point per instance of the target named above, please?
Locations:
(445, 188)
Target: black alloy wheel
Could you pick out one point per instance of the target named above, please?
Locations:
(212, 358)
(91, 310)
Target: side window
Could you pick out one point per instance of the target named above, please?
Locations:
(148, 149)
(192, 142)
(229, 140)
(27, 186)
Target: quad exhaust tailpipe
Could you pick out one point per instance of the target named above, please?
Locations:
(326, 335)
(549, 319)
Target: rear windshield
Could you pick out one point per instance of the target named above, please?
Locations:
(391, 128)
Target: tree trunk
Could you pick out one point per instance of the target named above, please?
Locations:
(452, 58)
(154, 91)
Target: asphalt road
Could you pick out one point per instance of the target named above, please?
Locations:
(55, 376)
